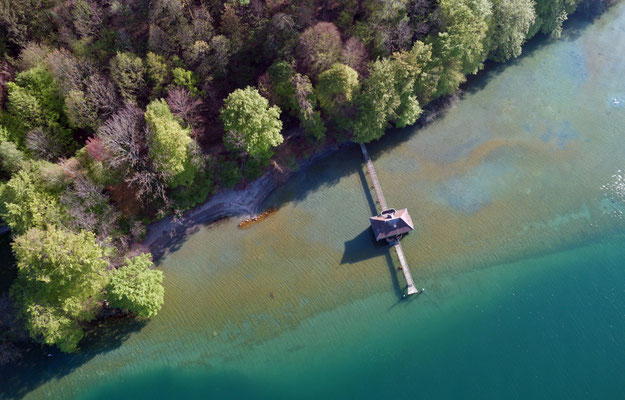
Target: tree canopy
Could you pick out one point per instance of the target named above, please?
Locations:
(60, 280)
(336, 90)
(136, 287)
(509, 26)
(170, 144)
(251, 124)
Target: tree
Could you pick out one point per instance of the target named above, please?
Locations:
(221, 52)
(136, 287)
(294, 92)
(69, 71)
(417, 64)
(11, 158)
(123, 137)
(306, 100)
(355, 55)
(389, 25)
(158, 73)
(378, 102)
(87, 18)
(550, 15)
(250, 124)
(101, 96)
(89, 209)
(60, 280)
(283, 90)
(170, 30)
(336, 90)
(319, 47)
(127, 72)
(170, 144)
(25, 204)
(387, 96)
(186, 79)
(80, 112)
(509, 27)
(187, 108)
(459, 49)
(34, 98)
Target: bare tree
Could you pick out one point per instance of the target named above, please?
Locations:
(355, 55)
(124, 136)
(100, 91)
(185, 106)
(90, 210)
(43, 144)
(69, 71)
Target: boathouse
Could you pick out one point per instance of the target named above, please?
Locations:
(391, 224)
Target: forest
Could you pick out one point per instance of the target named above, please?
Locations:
(117, 113)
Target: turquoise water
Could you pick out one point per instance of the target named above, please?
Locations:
(517, 197)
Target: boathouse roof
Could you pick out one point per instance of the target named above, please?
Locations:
(391, 223)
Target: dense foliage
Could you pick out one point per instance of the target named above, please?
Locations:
(60, 280)
(136, 287)
(251, 125)
(117, 113)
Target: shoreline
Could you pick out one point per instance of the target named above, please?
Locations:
(163, 235)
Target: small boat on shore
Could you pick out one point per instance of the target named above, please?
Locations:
(250, 221)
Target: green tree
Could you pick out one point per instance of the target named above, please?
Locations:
(417, 64)
(250, 124)
(12, 159)
(188, 80)
(80, 111)
(388, 96)
(280, 74)
(294, 93)
(25, 204)
(158, 73)
(460, 49)
(377, 103)
(35, 100)
(336, 90)
(136, 287)
(127, 72)
(306, 100)
(60, 280)
(508, 27)
(170, 144)
(550, 15)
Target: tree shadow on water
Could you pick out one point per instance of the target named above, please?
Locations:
(41, 364)
(319, 173)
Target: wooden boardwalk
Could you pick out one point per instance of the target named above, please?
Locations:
(374, 177)
(411, 289)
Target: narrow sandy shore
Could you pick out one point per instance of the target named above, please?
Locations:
(163, 235)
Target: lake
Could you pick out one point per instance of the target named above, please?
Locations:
(517, 194)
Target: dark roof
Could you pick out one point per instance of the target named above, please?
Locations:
(391, 223)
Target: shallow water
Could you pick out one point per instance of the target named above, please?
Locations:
(517, 197)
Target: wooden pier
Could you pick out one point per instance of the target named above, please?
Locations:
(411, 289)
(374, 177)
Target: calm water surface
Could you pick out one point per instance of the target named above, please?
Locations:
(517, 198)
